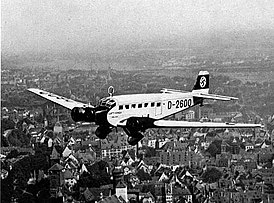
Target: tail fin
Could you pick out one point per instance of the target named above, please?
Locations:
(202, 83)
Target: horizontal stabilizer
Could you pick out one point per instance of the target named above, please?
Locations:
(187, 124)
(60, 100)
(172, 91)
(215, 97)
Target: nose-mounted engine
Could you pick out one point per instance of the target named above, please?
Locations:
(97, 114)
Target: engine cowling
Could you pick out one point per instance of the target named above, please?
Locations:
(139, 124)
(84, 114)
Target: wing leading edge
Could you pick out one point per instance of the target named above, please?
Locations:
(187, 124)
(60, 100)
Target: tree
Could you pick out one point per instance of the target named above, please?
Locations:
(43, 190)
(98, 175)
(39, 118)
(7, 188)
(12, 154)
(18, 138)
(211, 175)
(214, 148)
(4, 141)
(148, 188)
(142, 175)
(7, 124)
(150, 152)
(39, 161)
(14, 138)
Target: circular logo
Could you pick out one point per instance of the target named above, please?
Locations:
(203, 82)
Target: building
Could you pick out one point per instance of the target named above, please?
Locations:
(114, 148)
(56, 177)
(121, 190)
(188, 158)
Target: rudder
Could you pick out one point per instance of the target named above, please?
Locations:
(202, 83)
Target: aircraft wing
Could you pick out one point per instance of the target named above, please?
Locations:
(215, 97)
(65, 102)
(188, 124)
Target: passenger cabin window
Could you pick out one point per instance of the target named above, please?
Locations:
(133, 106)
(139, 105)
(127, 106)
(121, 107)
(152, 104)
(146, 104)
(158, 104)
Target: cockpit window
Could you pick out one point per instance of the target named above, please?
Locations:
(111, 103)
(102, 102)
(106, 102)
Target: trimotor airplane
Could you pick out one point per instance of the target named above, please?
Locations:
(136, 113)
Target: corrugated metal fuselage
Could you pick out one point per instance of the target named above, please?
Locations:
(155, 106)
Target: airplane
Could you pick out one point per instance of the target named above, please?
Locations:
(135, 113)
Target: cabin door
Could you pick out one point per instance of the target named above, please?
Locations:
(158, 110)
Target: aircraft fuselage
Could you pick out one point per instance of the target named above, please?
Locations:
(155, 106)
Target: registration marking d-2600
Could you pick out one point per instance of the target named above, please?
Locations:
(180, 103)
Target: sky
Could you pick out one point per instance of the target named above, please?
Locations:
(45, 25)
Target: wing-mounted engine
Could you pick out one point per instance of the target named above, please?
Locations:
(134, 128)
(84, 114)
(96, 114)
(90, 114)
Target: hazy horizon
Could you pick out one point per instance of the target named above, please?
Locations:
(61, 25)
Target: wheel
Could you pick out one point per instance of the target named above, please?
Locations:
(102, 132)
(135, 138)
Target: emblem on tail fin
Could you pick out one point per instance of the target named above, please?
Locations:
(203, 82)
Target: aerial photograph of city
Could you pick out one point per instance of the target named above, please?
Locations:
(126, 101)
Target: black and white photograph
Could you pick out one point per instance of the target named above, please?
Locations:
(137, 101)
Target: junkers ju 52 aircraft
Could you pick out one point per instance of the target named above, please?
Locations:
(136, 113)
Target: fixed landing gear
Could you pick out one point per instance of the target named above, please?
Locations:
(134, 138)
(102, 132)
